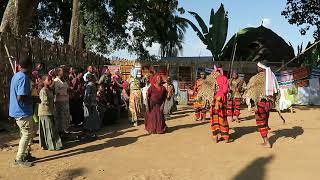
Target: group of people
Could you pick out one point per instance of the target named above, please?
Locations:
(261, 92)
(59, 99)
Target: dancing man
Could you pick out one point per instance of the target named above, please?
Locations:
(236, 88)
(199, 105)
(219, 122)
(263, 91)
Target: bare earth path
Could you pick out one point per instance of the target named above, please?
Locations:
(185, 153)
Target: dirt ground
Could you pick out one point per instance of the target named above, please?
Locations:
(186, 152)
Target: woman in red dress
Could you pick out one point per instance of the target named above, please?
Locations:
(156, 96)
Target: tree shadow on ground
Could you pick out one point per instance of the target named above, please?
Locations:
(118, 142)
(176, 117)
(184, 126)
(294, 132)
(241, 131)
(75, 141)
(71, 174)
(183, 112)
(256, 170)
(248, 118)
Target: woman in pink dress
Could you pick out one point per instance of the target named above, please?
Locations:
(156, 96)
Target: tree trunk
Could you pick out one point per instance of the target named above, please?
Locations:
(76, 36)
(18, 16)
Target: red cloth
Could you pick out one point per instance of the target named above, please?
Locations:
(154, 118)
(153, 78)
(233, 107)
(222, 82)
(219, 122)
(262, 117)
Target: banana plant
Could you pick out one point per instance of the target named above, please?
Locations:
(214, 36)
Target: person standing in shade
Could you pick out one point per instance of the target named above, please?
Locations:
(92, 121)
(20, 108)
(89, 71)
(49, 138)
(62, 108)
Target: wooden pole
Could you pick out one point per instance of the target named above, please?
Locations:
(233, 54)
(11, 63)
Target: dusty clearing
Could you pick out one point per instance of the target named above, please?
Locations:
(185, 153)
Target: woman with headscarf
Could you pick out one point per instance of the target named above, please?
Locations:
(135, 99)
(219, 122)
(156, 96)
(236, 88)
(62, 108)
(263, 91)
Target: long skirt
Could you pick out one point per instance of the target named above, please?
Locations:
(135, 105)
(200, 110)
(219, 122)
(76, 111)
(262, 117)
(49, 138)
(92, 121)
(155, 121)
(168, 105)
(233, 107)
(62, 116)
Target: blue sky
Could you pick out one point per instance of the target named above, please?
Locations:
(241, 13)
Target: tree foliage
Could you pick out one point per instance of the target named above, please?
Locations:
(110, 25)
(305, 14)
(214, 36)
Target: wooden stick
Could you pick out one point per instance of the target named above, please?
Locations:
(11, 63)
(233, 54)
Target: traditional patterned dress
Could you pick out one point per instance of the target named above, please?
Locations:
(199, 104)
(236, 87)
(255, 93)
(219, 122)
(207, 90)
(135, 100)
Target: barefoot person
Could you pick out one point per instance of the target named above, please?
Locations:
(262, 89)
(156, 96)
(236, 88)
(199, 105)
(20, 108)
(219, 122)
(49, 138)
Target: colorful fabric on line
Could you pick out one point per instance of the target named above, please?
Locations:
(219, 122)
(233, 107)
(262, 117)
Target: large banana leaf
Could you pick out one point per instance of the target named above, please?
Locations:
(218, 30)
(195, 28)
(200, 21)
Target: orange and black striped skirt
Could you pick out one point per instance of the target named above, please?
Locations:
(219, 123)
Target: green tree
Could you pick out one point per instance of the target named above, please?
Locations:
(305, 14)
(214, 36)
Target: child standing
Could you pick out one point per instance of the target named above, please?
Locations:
(92, 120)
(48, 136)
